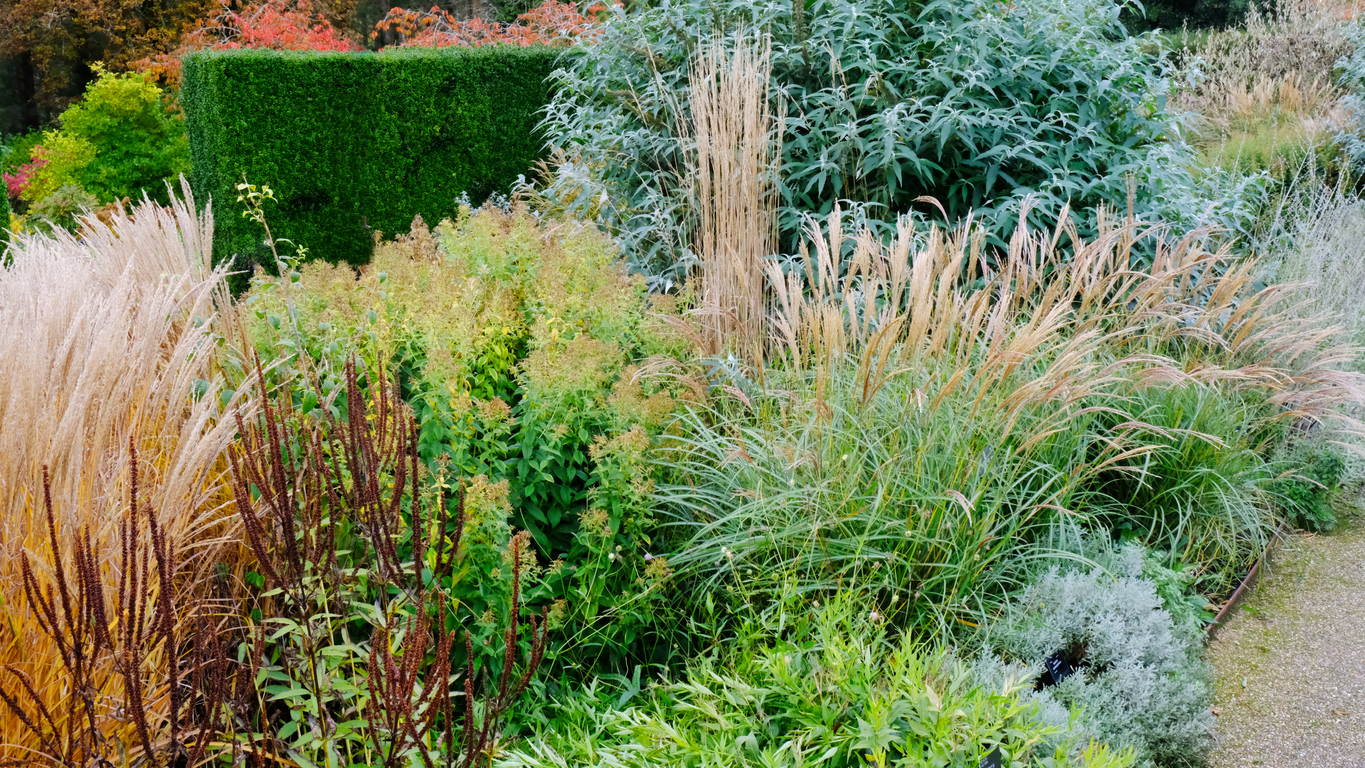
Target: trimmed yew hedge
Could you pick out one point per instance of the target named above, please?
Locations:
(351, 143)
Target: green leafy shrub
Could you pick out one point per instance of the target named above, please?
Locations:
(979, 105)
(513, 342)
(1307, 493)
(811, 684)
(19, 150)
(118, 141)
(1352, 78)
(355, 143)
(138, 144)
(61, 161)
(1140, 681)
(61, 208)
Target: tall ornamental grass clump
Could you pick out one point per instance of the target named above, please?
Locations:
(924, 417)
(1321, 259)
(1263, 94)
(108, 347)
(978, 104)
(732, 169)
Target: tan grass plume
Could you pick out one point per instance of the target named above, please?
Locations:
(732, 178)
(109, 342)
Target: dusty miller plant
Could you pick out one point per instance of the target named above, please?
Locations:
(1140, 679)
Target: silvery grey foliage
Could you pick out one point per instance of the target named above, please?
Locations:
(978, 104)
(1141, 680)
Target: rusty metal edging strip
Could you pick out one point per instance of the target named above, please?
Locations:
(1250, 579)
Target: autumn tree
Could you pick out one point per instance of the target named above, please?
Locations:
(289, 25)
(550, 23)
(54, 42)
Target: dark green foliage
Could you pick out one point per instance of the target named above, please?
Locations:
(20, 150)
(1307, 494)
(1193, 14)
(354, 143)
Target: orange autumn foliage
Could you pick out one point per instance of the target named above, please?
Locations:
(286, 25)
(551, 23)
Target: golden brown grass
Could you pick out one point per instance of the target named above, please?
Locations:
(1264, 92)
(107, 344)
(1193, 316)
(734, 194)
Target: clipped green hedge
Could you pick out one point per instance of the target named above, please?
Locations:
(356, 142)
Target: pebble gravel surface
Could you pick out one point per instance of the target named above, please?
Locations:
(1291, 663)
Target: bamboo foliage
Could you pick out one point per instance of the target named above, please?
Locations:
(734, 194)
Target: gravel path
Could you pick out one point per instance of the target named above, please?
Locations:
(1291, 663)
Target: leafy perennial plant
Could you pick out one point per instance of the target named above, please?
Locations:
(512, 341)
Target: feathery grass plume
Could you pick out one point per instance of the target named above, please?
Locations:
(107, 344)
(1262, 95)
(733, 187)
(1194, 316)
(1292, 38)
(1325, 259)
(928, 412)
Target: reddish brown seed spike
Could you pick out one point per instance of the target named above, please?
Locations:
(469, 690)
(132, 468)
(94, 587)
(45, 719)
(58, 569)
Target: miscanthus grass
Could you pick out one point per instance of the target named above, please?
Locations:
(929, 410)
(107, 351)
